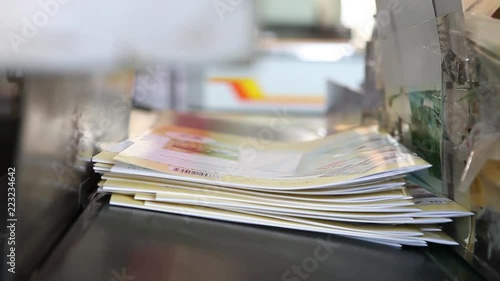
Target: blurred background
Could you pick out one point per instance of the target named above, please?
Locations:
(299, 47)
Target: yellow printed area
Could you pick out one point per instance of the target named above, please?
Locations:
(248, 90)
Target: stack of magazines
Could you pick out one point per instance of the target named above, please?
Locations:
(351, 183)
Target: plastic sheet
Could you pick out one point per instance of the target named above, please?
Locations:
(441, 81)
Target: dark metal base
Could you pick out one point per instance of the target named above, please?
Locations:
(114, 243)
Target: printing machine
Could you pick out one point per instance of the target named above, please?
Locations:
(69, 69)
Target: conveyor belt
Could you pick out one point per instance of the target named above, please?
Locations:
(121, 244)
